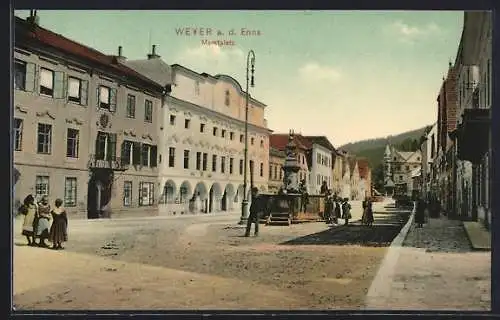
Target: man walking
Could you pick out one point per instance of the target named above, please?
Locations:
(256, 209)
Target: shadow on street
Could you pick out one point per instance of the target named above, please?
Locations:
(385, 228)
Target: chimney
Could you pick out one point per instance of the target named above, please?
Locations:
(120, 57)
(153, 54)
(33, 18)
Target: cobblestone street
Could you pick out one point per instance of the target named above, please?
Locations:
(437, 270)
(201, 262)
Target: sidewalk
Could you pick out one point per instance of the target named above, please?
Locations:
(436, 269)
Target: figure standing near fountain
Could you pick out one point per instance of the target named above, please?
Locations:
(346, 211)
(256, 209)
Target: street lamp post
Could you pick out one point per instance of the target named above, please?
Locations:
(244, 204)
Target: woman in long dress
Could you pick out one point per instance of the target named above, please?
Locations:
(30, 212)
(58, 230)
(43, 224)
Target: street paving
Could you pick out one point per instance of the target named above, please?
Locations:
(204, 262)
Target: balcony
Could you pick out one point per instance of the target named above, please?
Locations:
(473, 134)
(111, 163)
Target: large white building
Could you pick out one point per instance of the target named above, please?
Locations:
(321, 168)
(202, 141)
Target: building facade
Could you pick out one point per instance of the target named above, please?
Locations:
(354, 179)
(71, 125)
(202, 143)
(398, 168)
(337, 172)
(365, 176)
(321, 157)
(428, 149)
(473, 134)
(276, 161)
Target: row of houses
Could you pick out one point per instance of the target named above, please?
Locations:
(346, 175)
(105, 132)
(456, 151)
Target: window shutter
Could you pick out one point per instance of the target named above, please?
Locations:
(98, 97)
(111, 146)
(140, 194)
(112, 99)
(84, 89)
(97, 153)
(124, 158)
(30, 76)
(59, 85)
(136, 153)
(153, 152)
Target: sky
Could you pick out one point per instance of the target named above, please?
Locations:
(348, 75)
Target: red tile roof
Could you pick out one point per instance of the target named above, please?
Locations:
(280, 140)
(34, 32)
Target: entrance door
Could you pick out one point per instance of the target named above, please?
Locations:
(99, 192)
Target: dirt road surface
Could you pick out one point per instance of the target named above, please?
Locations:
(203, 262)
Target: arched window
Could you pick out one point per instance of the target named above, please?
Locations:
(169, 193)
(183, 194)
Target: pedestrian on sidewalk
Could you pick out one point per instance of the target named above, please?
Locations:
(337, 213)
(346, 211)
(28, 209)
(420, 213)
(256, 209)
(58, 230)
(43, 222)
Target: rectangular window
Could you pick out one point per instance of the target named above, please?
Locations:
(223, 133)
(242, 137)
(171, 157)
(281, 174)
(101, 146)
(20, 75)
(214, 131)
(146, 194)
(202, 127)
(261, 169)
(271, 171)
(231, 163)
(127, 193)
(18, 134)
(231, 136)
(252, 140)
(148, 110)
(275, 173)
(186, 159)
(41, 186)
(46, 82)
(198, 160)
(214, 163)
(104, 97)
(130, 106)
(127, 154)
(44, 143)
(241, 166)
(72, 143)
(186, 123)
(251, 167)
(205, 161)
(223, 164)
(172, 120)
(262, 143)
(74, 90)
(145, 154)
(70, 192)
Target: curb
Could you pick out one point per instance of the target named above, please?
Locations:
(380, 288)
(471, 242)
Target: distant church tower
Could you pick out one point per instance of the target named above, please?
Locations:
(387, 162)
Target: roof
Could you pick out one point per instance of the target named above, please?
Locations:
(280, 141)
(322, 141)
(155, 69)
(34, 33)
(406, 155)
(276, 152)
(363, 168)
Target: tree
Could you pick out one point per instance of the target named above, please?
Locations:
(378, 177)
